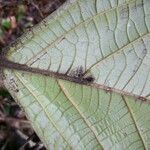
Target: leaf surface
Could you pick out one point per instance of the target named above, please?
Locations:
(110, 40)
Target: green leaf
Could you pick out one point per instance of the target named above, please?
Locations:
(6, 23)
(110, 40)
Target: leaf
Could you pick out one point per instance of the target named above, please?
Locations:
(6, 23)
(110, 40)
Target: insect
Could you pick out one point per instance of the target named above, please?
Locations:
(79, 74)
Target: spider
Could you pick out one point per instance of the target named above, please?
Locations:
(79, 73)
(89, 79)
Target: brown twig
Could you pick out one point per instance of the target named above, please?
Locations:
(10, 120)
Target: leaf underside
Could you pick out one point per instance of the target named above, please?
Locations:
(111, 40)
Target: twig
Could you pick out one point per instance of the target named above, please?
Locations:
(11, 119)
(37, 8)
(25, 137)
